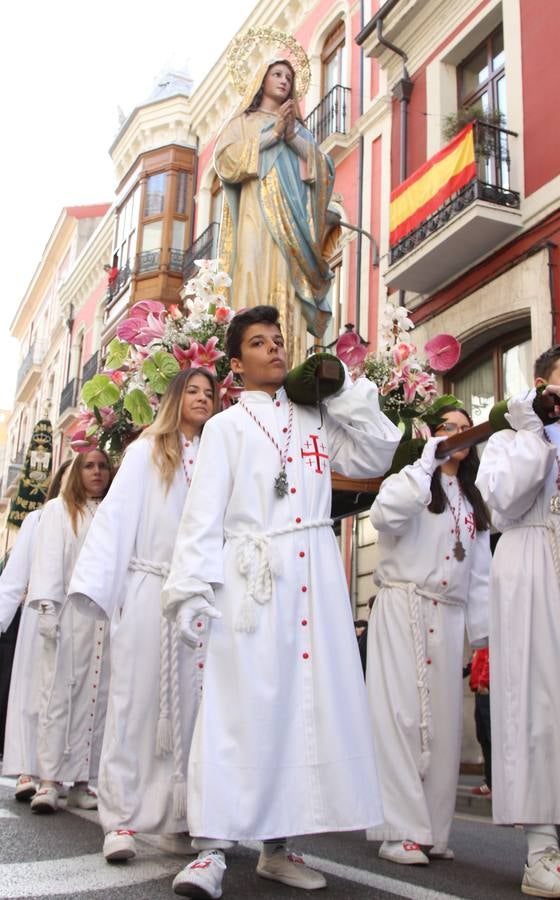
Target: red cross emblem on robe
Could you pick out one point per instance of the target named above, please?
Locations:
(313, 453)
(471, 525)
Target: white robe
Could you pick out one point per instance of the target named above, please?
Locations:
(517, 478)
(20, 754)
(282, 743)
(74, 666)
(121, 568)
(424, 591)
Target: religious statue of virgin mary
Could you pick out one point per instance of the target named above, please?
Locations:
(277, 185)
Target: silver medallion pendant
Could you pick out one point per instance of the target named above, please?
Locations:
(555, 505)
(281, 484)
(459, 550)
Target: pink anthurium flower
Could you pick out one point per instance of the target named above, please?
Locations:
(443, 352)
(81, 443)
(349, 349)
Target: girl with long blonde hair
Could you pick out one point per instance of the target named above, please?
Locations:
(74, 657)
(120, 573)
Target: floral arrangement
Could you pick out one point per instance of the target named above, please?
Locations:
(153, 344)
(407, 386)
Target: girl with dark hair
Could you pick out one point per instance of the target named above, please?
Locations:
(433, 579)
(74, 669)
(20, 750)
(119, 575)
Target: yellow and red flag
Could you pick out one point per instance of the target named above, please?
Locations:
(414, 201)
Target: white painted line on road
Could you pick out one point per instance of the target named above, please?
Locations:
(77, 874)
(369, 879)
(7, 814)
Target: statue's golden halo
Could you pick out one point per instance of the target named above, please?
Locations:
(240, 49)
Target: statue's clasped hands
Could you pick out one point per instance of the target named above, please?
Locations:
(285, 126)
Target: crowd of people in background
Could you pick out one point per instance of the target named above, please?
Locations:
(187, 661)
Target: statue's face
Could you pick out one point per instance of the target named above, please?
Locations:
(277, 84)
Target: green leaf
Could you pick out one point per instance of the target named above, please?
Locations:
(118, 353)
(100, 391)
(139, 407)
(159, 369)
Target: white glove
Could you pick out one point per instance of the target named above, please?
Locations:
(428, 461)
(190, 610)
(521, 415)
(48, 621)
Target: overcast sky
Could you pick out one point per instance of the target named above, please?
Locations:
(66, 67)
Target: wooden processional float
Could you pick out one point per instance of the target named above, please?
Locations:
(322, 375)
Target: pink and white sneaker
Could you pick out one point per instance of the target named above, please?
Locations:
(202, 879)
(407, 853)
(119, 845)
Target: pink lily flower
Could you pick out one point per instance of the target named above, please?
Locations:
(228, 391)
(402, 351)
(182, 357)
(205, 356)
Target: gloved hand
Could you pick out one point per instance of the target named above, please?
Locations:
(190, 610)
(48, 621)
(428, 461)
(521, 415)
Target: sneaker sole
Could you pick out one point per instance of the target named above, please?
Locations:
(43, 808)
(291, 882)
(120, 855)
(187, 889)
(25, 794)
(403, 862)
(538, 892)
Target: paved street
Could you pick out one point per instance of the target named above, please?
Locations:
(59, 856)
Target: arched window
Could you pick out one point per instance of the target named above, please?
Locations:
(496, 371)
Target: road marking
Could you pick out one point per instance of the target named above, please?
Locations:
(7, 814)
(369, 879)
(77, 874)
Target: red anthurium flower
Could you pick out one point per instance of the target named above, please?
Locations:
(443, 352)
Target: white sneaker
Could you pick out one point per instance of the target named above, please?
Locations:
(177, 844)
(45, 800)
(25, 788)
(543, 879)
(119, 845)
(202, 879)
(82, 798)
(407, 853)
(290, 869)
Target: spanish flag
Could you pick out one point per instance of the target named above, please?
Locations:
(414, 201)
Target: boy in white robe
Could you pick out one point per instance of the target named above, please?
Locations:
(282, 744)
(519, 478)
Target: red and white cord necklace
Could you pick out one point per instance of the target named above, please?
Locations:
(281, 480)
(459, 549)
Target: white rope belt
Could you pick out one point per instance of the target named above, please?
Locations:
(151, 568)
(257, 566)
(418, 629)
(169, 729)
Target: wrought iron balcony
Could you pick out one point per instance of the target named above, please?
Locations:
(69, 396)
(176, 260)
(120, 282)
(33, 358)
(331, 115)
(467, 224)
(205, 247)
(90, 367)
(148, 260)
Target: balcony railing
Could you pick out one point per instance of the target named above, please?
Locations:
(33, 357)
(69, 395)
(148, 260)
(90, 367)
(205, 247)
(331, 116)
(176, 260)
(120, 282)
(491, 184)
